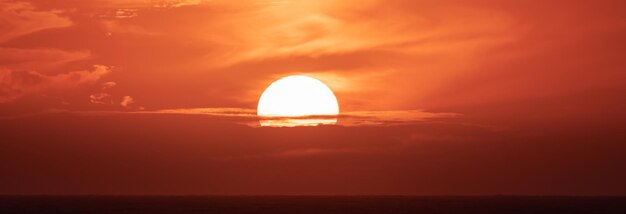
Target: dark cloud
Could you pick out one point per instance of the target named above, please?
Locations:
(195, 154)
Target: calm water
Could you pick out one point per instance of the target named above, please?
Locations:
(309, 204)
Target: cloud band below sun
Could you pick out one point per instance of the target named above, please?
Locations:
(349, 119)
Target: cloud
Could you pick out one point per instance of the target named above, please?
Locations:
(115, 27)
(387, 118)
(200, 155)
(103, 97)
(39, 58)
(179, 3)
(377, 48)
(319, 28)
(384, 54)
(127, 101)
(126, 13)
(155, 3)
(348, 119)
(226, 112)
(108, 85)
(260, 30)
(35, 70)
(20, 18)
(100, 98)
(18, 83)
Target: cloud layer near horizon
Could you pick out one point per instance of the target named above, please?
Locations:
(349, 119)
(195, 154)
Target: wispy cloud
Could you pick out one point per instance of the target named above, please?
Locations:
(21, 17)
(179, 3)
(38, 58)
(387, 118)
(226, 112)
(256, 30)
(349, 119)
(155, 3)
(17, 83)
(125, 13)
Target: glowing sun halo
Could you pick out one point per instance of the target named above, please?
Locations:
(297, 96)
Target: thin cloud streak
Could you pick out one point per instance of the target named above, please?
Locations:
(348, 119)
(385, 118)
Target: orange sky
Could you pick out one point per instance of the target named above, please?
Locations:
(436, 97)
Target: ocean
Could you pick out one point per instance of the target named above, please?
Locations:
(311, 204)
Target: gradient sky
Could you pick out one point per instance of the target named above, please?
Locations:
(436, 97)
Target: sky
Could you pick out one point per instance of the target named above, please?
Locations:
(441, 97)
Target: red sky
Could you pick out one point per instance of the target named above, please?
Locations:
(436, 97)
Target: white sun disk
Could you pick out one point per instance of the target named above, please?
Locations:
(296, 96)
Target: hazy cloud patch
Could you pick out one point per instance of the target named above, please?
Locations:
(100, 98)
(39, 58)
(105, 97)
(17, 83)
(127, 101)
(21, 18)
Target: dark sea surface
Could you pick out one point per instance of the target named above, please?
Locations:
(310, 204)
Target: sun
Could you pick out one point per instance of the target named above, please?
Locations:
(297, 96)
